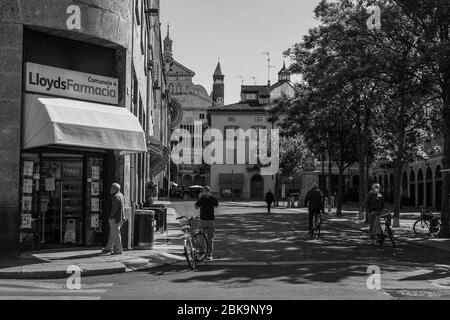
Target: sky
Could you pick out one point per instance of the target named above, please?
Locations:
(237, 32)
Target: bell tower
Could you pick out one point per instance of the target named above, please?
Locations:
(283, 74)
(168, 53)
(218, 93)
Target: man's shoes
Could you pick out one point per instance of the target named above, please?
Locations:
(104, 250)
(210, 258)
(116, 253)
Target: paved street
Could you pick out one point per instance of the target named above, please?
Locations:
(258, 256)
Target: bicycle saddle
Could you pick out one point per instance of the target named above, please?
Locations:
(185, 228)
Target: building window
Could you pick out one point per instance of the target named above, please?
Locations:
(137, 11)
(250, 96)
(231, 154)
(258, 119)
(231, 119)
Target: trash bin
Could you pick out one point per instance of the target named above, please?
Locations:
(144, 229)
(160, 217)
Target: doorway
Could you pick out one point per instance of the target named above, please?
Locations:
(66, 196)
(257, 187)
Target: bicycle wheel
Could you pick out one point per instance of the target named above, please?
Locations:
(318, 231)
(435, 226)
(381, 237)
(391, 236)
(200, 244)
(189, 253)
(421, 227)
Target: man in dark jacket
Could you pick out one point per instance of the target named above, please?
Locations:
(374, 207)
(207, 203)
(314, 200)
(269, 200)
(116, 218)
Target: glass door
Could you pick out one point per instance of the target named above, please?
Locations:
(61, 200)
(94, 204)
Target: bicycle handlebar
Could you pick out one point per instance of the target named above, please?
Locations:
(187, 218)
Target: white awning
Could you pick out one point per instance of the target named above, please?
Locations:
(58, 121)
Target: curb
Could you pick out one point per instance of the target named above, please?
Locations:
(87, 270)
(59, 270)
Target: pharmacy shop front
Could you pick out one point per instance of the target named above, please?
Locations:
(68, 151)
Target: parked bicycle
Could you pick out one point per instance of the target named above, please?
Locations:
(317, 222)
(195, 242)
(428, 223)
(387, 232)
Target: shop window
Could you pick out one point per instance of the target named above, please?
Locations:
(137, 11)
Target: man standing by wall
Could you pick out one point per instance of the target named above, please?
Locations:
(207, 203)
(116, 219)
(315, 201)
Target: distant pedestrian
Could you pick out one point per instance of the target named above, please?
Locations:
(315, 201)
(116, 218)
(269, 200)
(207, 203)
(374, 204)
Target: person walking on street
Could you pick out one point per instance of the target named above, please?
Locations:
(207, 203)
(374, 204)
(116, 218)
(269, 200)
(315, 201)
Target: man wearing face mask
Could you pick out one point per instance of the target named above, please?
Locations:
(374, 206)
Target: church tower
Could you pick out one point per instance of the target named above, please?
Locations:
(168, 53)
(283, 74)
(218, 93)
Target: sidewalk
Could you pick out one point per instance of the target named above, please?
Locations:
(53, 264)
(404, 233)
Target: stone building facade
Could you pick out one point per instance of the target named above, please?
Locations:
(189, 103)
(57, 190)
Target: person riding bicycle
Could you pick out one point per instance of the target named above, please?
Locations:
(207, 203)
(315, 201)
(374, 204)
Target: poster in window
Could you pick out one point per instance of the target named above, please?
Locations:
(50, 184)
(27, 186)
(26, 203)
(95, 205)
(95, 173)
(44, 205)
(26, 221)
(95, 220)
(95, 189)
(28, 168)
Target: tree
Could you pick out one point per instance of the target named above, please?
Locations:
(294, 155)
(433, 17)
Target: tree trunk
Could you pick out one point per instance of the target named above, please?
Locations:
(340, 194)
(367, 185)
(330, 183)
(362, 182)
(398, 169)
(445, 229)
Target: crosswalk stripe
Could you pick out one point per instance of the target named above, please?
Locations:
(50, 285)
(32, 290)
(49, 298)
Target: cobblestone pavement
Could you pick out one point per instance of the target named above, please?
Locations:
(260, 256)
(249, 234)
